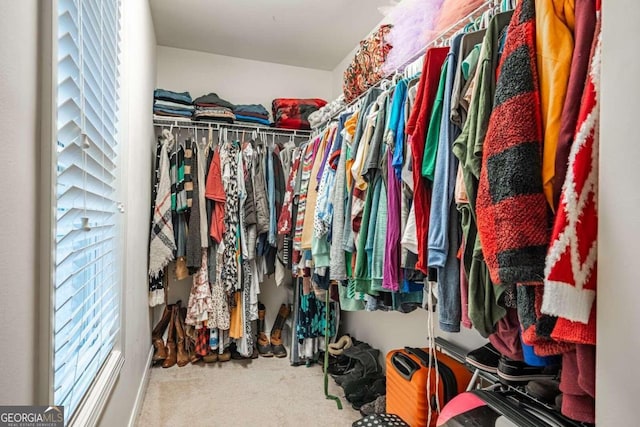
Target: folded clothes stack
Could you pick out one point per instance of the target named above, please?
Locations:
(213, 108)
(172, 104)
(253, 113)
(293, 113)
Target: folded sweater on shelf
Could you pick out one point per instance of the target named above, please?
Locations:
(177, 97)
(212, 99)
(251, 110)
(251, 119)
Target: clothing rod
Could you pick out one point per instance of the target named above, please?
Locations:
(189, 124)
(488, 5)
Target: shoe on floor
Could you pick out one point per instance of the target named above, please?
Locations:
(558, 402)
(211, 357)
(544, 390)
(513, 371)
(337, 348)
(225, 356)
(364, 390)
(485, 358)
(262, 341)
(378, 406)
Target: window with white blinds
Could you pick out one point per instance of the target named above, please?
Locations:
(87, 274)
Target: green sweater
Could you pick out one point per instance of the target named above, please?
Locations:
(433, 133)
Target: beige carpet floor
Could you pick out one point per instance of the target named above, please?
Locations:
(264, 392)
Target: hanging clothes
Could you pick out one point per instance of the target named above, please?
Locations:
(215, 192)
(484, 310)
(417, 131)
(571, 264)
(194, 236)
(229, 161)
(444, 221)
(555, 22)
(584, 30)
(162, 241)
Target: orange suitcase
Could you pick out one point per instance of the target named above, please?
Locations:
(407, 373)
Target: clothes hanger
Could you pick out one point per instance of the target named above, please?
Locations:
(210, 142)
(397, 76)
(471, 25)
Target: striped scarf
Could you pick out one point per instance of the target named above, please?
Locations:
(307, 165)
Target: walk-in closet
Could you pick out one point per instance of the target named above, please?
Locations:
(343, 213)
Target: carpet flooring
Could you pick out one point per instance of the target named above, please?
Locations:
(264, 392)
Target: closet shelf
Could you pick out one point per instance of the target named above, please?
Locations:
(186, 123)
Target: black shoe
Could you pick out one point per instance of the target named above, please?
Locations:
(519, 372)
(485, 358)
(544, 390)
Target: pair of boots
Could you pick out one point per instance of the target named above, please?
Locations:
(175, 351)
(273, 347)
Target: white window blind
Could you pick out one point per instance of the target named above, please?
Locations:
(87, 275)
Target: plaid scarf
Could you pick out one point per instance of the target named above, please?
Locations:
(162, 244)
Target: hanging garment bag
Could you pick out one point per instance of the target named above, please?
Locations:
(407, 376)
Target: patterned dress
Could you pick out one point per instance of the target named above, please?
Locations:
(200, 300)
(228, 159)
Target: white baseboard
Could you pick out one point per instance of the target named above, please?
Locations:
(142, 390)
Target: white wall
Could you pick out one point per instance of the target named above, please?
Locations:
(240, 81)
(387, 331)
(19, 208)
(137, 151)
(617, 377)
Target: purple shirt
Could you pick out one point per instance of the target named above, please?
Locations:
(391, 270)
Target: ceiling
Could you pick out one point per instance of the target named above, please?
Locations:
(306, 33)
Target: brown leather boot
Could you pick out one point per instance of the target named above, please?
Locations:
(276, 332)
(172, 355)
(263, 344)
(190, 341)
(160, 351)
(183, 356)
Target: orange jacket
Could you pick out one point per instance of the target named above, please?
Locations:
(555, 21)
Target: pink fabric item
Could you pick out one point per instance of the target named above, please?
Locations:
(391, 271)
(413, 27)
(576, 403)
(453, 11)
(460, 404)
(586, 358)
(506, 339)
(464, 292)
